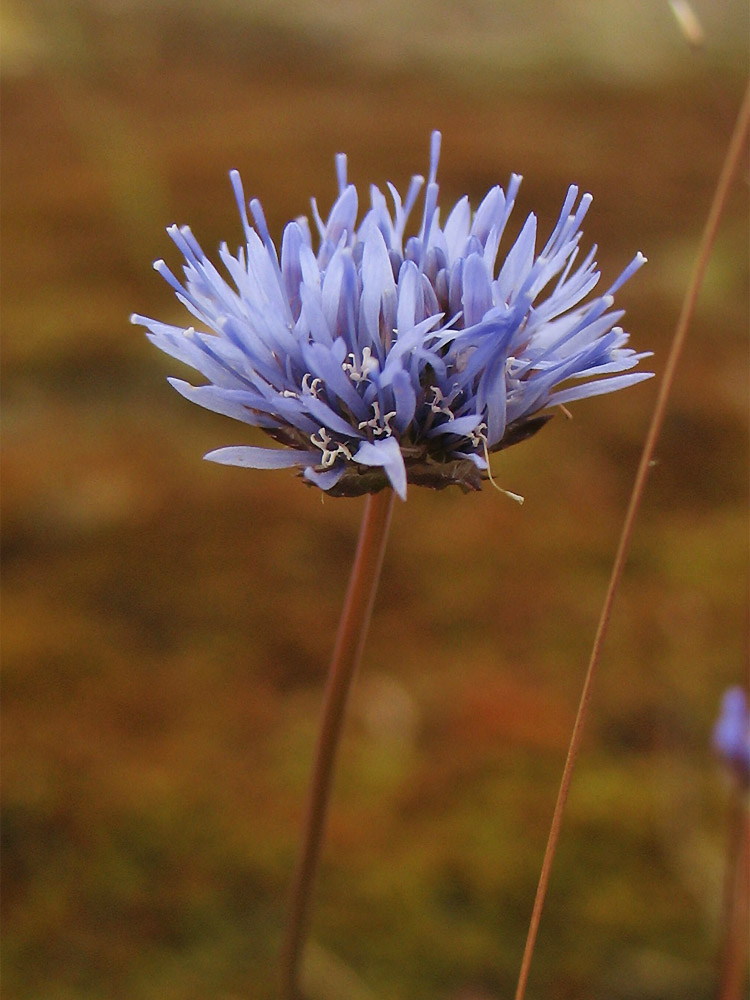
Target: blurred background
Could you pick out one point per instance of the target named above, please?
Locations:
(167, 622)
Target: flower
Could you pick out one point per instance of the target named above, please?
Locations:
(731, 735)
(382, 360)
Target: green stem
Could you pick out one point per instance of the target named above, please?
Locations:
(350, 641)
(729, 168)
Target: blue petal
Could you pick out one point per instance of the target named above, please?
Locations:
(481, 463)
(340, 294)
(324, 479)
(502, 209)
(262, 458)
(233, 403)
(597, 388)
(380, 217)
(378, 291)
(401, 212)
(404, 400)
(328, 417)
(636, 263)
(476, 299)
(312, 318)
(518, 262)
(409, 342)
(409, 309)
(386, 453)
(487, 214)
(323, 363)
(493, 397)
(200, 351)
(461, 426)
(456, 229)
(291, 266)
(343, 215)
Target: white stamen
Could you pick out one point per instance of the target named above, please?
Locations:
(311, 388)
(331, 449)
(439, 404)
(358, 373)
(479, 436)
(380, 425)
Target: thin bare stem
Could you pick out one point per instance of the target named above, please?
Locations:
(350, 641)
(731, 163)
(736, 915)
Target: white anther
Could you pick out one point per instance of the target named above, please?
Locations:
(439, 404)
(331, 449)
(311, 386)
(380, 425)
(321, 439)
(478, 436)
(358, 373)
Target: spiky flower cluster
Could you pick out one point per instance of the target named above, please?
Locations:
(379, 359)
(731, 735)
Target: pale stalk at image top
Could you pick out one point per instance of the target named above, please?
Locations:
(729, 169)
(347, 653)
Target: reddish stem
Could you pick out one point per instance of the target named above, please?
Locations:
(350, 641)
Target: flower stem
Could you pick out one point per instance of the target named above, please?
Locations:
(736, 904)
(350, 641)
(729, 168)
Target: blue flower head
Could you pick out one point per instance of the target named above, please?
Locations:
(382, 359)
(731, 735)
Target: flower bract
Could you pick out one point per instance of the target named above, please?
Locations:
(375, 358)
